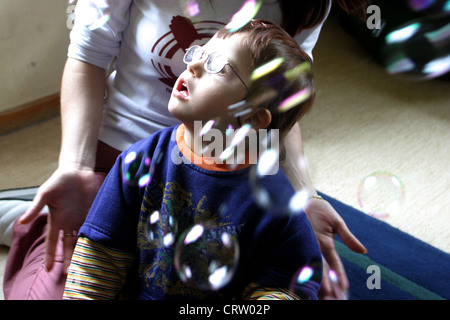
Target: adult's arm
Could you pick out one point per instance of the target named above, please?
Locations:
(70, 190)
(326, 222)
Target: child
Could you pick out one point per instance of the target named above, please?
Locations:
(117, 254)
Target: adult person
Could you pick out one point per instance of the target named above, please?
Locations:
(102, 116)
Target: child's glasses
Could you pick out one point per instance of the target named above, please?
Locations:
(215, 62)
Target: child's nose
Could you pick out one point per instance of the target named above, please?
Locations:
(196, 67)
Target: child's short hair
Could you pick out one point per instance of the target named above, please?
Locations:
(267, 42)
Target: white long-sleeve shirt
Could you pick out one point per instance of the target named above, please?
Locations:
(148, 38)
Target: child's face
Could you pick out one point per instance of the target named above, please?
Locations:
(202, 96)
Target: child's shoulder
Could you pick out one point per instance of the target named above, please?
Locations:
(278, 181)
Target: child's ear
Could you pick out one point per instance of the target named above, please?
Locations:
(259, 119)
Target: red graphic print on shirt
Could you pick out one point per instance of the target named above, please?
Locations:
(183, 32)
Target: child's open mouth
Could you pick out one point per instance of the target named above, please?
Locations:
(181, 90)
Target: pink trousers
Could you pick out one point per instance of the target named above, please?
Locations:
(25, 276)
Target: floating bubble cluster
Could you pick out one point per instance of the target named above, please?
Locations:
(268, 145)
(381, 195)
(268, 72)
(205, 254)
(409, 38)
(420, 47)
(265, 196)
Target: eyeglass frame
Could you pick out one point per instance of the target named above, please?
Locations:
(208, 56)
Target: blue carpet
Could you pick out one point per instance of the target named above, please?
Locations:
(409, 269)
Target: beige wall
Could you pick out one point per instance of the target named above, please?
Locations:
(33, 44)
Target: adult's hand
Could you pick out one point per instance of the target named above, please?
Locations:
(326, 223)
(68, 193)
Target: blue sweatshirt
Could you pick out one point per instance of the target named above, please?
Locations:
(270, 246)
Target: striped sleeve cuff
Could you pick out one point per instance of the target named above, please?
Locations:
(255, 292)
(96, 272)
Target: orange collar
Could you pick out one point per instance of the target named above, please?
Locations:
(207, 163)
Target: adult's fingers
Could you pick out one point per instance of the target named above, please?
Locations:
(51, 241)
(33, 210)
(348, 238)
(335, 263)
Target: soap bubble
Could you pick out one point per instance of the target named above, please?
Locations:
(240, 108)
(294, 100)
(259, 174)
(420, 4)
(437, 67)
(191, 7)
(400, 63)
(247, 12)
(137, 168)
(207, 127)
(206, 256)
(431, 7)
(338, 293)
(94, 18)
(404, 33)
(237, 139)
(101, 20)
(306, 276)
(160, 229)
(266, 69)
(381, 194)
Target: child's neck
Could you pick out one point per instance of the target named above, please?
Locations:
(194, 141)
(194, 146)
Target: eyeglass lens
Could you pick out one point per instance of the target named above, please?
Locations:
(214, 63)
